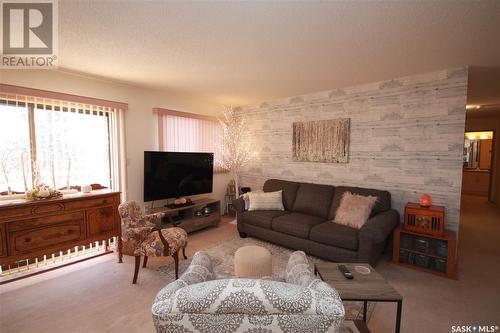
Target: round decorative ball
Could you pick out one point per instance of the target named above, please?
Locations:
(86, 188)
(425, 200)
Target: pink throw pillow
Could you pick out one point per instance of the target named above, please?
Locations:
(354, 209)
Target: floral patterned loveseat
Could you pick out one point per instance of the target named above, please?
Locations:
(198, 303)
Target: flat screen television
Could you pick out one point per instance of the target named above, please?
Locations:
(177, 174)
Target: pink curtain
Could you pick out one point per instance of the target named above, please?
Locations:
(192, 135)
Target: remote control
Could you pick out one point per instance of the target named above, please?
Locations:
(347, 274)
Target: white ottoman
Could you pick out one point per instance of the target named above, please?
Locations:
(252, 261)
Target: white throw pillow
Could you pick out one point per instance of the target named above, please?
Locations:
(246, 201)
(265, 200)
(354, 209)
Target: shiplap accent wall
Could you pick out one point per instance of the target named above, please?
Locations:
(407, 137)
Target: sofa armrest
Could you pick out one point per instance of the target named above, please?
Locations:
(200, 270)
(298, 270)
(379, 227)
(137, 234)
(153, 219)
(239, 205)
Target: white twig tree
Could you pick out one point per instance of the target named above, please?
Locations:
(236, 150)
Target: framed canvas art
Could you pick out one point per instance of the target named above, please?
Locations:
(321, 141)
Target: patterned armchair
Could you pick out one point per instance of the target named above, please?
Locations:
(142, 235)
(197, 303)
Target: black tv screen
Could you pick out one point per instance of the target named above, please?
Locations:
(173, 174)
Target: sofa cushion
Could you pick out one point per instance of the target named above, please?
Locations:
(354, 209)
(314, 199)
(261, 218)
(334, 234)
(295, 224)
(382, 204)
(265, 200)
(289, 190)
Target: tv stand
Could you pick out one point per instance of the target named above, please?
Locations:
(173, 206)
(185, 216)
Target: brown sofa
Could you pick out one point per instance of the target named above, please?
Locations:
(306, 225)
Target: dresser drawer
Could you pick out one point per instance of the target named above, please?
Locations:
(15, 212)
(82, 204)
(44, 221)
(45, 237)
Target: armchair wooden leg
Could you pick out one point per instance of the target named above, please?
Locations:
(136, 270)
(145, 262)
(120, 250)
(184, 251)
(176, 260)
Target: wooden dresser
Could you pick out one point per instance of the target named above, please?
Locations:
(30, 229)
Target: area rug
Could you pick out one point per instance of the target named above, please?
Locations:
(223, 260)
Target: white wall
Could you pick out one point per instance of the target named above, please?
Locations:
(140, 124)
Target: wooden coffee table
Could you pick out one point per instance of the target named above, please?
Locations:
(366, 288)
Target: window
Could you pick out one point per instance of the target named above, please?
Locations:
(14, 149)
(187, 132)
(58, 143)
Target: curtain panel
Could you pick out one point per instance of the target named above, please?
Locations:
(186, 132)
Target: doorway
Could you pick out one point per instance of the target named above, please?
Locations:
(478, 159)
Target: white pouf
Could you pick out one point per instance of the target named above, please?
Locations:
(252, 261)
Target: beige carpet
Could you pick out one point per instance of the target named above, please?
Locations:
(97, 296)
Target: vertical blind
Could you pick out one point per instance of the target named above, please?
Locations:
(181, 132)
(70, 143)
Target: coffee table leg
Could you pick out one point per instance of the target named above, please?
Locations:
(398, 316)
(365, 306)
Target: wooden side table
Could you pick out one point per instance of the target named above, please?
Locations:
(433, 254)
(365, 288)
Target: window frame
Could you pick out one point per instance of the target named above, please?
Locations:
(114, 111)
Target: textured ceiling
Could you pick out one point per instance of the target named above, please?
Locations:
(247, 52)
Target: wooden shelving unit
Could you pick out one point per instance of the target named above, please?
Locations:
(429, 253)
(187, 218)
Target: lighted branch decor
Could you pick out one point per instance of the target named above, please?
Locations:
(236, 150)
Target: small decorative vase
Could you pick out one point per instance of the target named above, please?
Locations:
(86, 189)
(425, 200)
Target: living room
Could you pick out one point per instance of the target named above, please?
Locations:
(352, 131)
